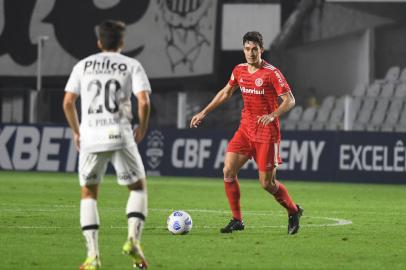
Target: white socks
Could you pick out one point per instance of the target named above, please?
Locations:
(89, 221)
(136, 213)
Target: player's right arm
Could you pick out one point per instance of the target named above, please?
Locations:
(141, 89)
(222, 96)
(72, 92)
(144, 108)
(69, 108)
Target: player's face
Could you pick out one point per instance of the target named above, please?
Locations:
(252, 52)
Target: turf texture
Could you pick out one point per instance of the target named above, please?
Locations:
(345, 226)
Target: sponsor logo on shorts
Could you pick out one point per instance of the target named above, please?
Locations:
(114, 136)
(125, 177)
(89, 177)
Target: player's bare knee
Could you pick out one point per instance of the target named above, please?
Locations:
(139, 185)
(228, 172)
(267, 181)
(265, 184)
(89, 192)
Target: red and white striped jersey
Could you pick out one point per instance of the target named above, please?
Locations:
(260, 91)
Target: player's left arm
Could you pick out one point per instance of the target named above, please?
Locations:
(288, 102)
(283, 91)
(71, 114)
(144, 108)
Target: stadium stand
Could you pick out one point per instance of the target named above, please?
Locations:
(355, 106)
(359, 90)
(392, 75)
(364, 114)
(402, 77)
(392, 116)
(337, 115)
(387, 90)
(400, 90)
(401, 126)
(293, 118)
(373, 90)
(379, 115)
(327, 103)
(379, 106)
(336, 121)
(323, 113)
(307, 118)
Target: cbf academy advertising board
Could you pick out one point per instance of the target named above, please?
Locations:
(319, 156)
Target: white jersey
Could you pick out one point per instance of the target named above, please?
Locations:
(105, 82)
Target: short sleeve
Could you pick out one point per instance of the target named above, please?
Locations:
(140, 80)
(279, 82)
(233, 78)
(73, 84)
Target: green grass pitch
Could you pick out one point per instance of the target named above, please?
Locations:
(39, 225)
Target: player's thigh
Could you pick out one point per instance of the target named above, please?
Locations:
(240, 144)
(267, 156)
(128, 165)
(92, 167)
(233, 163)
(239, 150)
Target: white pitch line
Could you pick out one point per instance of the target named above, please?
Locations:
(337, 221)
(39, 205)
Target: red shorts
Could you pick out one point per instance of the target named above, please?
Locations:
(266, 155)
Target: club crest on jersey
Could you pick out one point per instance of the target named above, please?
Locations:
(259, 82)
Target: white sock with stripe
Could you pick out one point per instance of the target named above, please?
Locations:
(136, 213)
(89, 221)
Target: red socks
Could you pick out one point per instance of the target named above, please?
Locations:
(232, 188)
(282, 196)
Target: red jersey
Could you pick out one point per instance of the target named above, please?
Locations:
(260, 91)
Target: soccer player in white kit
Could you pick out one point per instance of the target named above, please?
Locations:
(105, 82)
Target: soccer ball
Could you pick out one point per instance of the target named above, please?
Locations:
(179, 222)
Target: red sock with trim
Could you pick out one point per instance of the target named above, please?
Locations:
(232, 188)
(282, 197)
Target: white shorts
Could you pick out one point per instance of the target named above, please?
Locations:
(127, 162)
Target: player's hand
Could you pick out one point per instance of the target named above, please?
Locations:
(76, 140)
(197, 120)
(139, 133)
(266, 119)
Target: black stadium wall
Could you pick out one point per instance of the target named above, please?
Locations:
(310, 156)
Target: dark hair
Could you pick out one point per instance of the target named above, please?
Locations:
(255, 37)
(111, 34)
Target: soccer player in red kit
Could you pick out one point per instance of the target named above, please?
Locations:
(258, 135)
